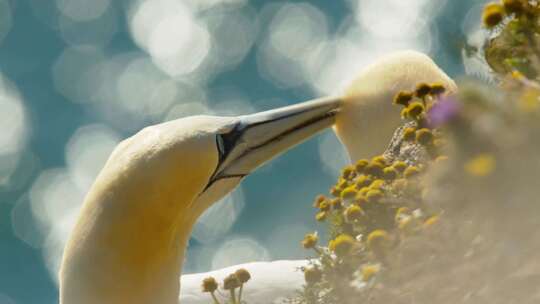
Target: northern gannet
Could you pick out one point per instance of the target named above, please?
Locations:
(129, 240)
(367, 117)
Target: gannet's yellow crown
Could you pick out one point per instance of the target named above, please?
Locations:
(129, 240)
(367, 118)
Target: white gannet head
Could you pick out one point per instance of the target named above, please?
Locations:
(129, 240)
(367, 118)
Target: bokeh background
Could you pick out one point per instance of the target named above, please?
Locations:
(77, 76)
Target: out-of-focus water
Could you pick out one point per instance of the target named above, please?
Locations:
(78, 76)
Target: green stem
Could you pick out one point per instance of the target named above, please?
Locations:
(240, 293)
(532, 44)
(216, 301)
(233, 296)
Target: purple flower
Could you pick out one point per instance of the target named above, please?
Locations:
(443, 111)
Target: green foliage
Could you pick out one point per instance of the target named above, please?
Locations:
(516, 46)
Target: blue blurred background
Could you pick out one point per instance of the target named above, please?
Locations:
(77, 76)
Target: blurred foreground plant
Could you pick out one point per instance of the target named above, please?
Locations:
(450, 212)
(516, 45)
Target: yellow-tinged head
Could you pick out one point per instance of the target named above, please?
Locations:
(367, 118)
(129, 240)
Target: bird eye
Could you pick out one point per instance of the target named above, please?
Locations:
(226, 141)
(221, 146)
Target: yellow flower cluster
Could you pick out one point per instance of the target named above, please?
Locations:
(232, 282)
(495, 12)
(377, 202)
(481, 165)
(310, 240)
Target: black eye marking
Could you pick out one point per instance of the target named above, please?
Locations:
(225, 142)
(220, 143)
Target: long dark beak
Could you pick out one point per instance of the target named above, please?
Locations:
(258, 138)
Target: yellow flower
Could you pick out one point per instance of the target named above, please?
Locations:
(363, 191)
(403, 98)
(369, 271)
(400, 166)
(517, 75)
(310, 240)
(318, 200)
(342, 245)
(390, 173)
(377, 184)
(335, 191)
(321, 216)
(437, 88)
(379, 159)
(342, 183)
(312, 275)
(363, 181)
(361, 165)
(493, 14)
(415, 109)
(378, 240)
(349, 193)
(401, 212)
(242, 275)
(409, 134)
(424, 136)
(324, 206)
(374, 195)
(404, 113)
(431, 221)
(336, 204)
(231, 282)
(348, 172)
(375, 169)
(353, 213)
(209, 285)
(481, 165)
(411, 171)
(422, 89)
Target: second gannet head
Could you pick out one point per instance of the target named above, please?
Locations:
(368, 118)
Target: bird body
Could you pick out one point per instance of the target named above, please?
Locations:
(133, 213)
(367, 117)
